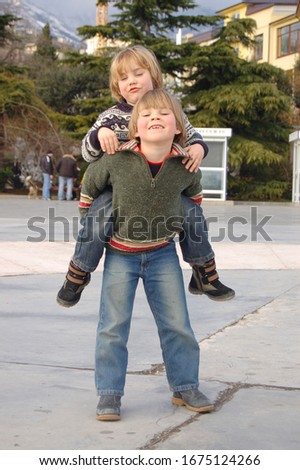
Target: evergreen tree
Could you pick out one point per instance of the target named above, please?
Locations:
(253, 100)
(154, 24)
(45, 49)
(9, 41)
(7, 34)
(7, 38)
(218, 88)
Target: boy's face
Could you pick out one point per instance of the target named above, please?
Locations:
(134, 82)
(156, 125)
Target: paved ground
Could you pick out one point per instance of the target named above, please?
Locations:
(250, 348)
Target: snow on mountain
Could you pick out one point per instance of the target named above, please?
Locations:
(35, 18)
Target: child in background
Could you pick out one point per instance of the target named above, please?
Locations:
(148, 180)
(134, 71)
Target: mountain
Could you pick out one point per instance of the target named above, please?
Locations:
(34, 18)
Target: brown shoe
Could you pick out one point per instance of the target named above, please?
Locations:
(108, 408)
(193, 400)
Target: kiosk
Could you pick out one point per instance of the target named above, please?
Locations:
(214, 166)
(294, 140)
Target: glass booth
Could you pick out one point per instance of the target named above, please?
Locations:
(294, 140)
(214, 166)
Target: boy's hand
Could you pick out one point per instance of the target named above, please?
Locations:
(108, 140)
(196, 154)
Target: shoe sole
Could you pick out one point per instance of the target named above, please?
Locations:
(65, 303)
(108, 418)
(202, 409)
(221, 298)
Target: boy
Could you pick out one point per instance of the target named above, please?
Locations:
(148, 180)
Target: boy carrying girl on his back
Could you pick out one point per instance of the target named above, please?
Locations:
(148, 181)
(134, 71)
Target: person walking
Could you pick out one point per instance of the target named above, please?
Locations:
(66, 168)
(46, 164)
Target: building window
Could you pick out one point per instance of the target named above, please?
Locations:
(259, 47)
(288, 39)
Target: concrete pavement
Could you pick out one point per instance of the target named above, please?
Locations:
(250, 348)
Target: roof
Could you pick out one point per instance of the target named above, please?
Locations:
(205, 36)
(261, 3)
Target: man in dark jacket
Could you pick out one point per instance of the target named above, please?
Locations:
(46, 165)
(67, 171)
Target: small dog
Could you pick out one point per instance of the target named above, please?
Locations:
(33, 189)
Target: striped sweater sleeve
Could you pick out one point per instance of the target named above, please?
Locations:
(194, 137)
(90, 147)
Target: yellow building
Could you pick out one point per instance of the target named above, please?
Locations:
(277, 31)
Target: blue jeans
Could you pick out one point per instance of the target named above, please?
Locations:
(46, 186)
(62, 182)
(97, 227)
(164, 288)
(194, 243)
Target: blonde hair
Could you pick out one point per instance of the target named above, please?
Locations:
(145, 58)
(159, 99)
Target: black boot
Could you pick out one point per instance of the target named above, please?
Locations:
(205, 280)
(76, 280)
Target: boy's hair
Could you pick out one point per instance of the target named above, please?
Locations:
(145, 58)
(159, 99)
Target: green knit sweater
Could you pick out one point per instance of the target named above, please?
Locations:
(147, 210)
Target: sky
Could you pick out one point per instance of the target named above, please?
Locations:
(82, 12)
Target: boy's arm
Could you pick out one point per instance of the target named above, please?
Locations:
(194, 190)
(95, 179)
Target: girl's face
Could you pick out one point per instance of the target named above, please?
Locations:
(134, 82)
(156, 125)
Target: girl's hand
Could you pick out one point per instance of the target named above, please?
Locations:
(196, 154)
(108, 140)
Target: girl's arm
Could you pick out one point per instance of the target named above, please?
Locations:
(90, 148)
(110, 128)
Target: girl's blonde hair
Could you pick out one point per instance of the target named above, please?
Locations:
(143, 57)
(159, 99)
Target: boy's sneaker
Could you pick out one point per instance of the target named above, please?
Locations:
(76, 280)
(108, 408)
(193, 400)
(205, 280)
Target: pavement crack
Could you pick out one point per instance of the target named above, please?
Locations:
(54, 366)
(224, 397)
(155, 369)
(241, 319)
(164, 435)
